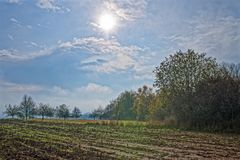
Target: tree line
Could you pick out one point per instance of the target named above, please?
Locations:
(29, 109)
(190, 88)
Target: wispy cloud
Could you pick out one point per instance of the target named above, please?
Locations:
(95, 88)
(11, 93)
(19, 88)
(10, 55)
(48, 5)
(219, 37)
(104, 56)
(15, 55)
(14, 20)
(20, 24)
(107, 55)
(10, 37)
(55, 95)
(122, 10)
(35, 45)
(51, 5)
(14, 1)
(90, 88)
(127, 9)
(110, 53)
(57, 90)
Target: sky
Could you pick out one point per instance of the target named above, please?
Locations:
(61, 51)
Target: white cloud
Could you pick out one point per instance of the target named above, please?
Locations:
(105, 56)
(12, 93)
(218, 37)
(20, 24)
(15, 55)
(90, 88)
(122, 10)
(143, 71)
(10, 54)
(36, 46)
(127, 9)
(95, 88)
(119, 62)
(33, 44)
(14, 20)
(100, 46)
(59, 91)
(48, 5)
(51, 5)
(86, 97)
(13, 1)
(19, 88)
(114, 55)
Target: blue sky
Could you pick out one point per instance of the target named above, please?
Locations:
(55, 51)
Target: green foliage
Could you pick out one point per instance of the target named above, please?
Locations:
(192, 90)
(121, 107)
(143, 99)
(158, 109)
(177, 78)
(181, 72)
(76, 113)
(218, 100)
(62, 111)
(124, 106)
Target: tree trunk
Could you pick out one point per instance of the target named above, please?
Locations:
(231, 127)
(26, 114)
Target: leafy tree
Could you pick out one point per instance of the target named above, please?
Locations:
(51, 112)
(93, 114)
(97, 113)
(122, 107)
(45, 110)
(11, 110)
(76, 113)
(63, 111)
(108, 112)
(178, 76)
(218, 100)
(181, 72)
(142, 102)
(27, 107)
(192, 89)
(158, 109)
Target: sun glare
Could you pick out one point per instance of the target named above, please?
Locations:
(107, 22)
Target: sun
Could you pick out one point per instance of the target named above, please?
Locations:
(107, 22)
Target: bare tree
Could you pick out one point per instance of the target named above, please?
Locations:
(62, 111)
(76, 113)
(27, 106)
(45, 110)
(11, 110)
